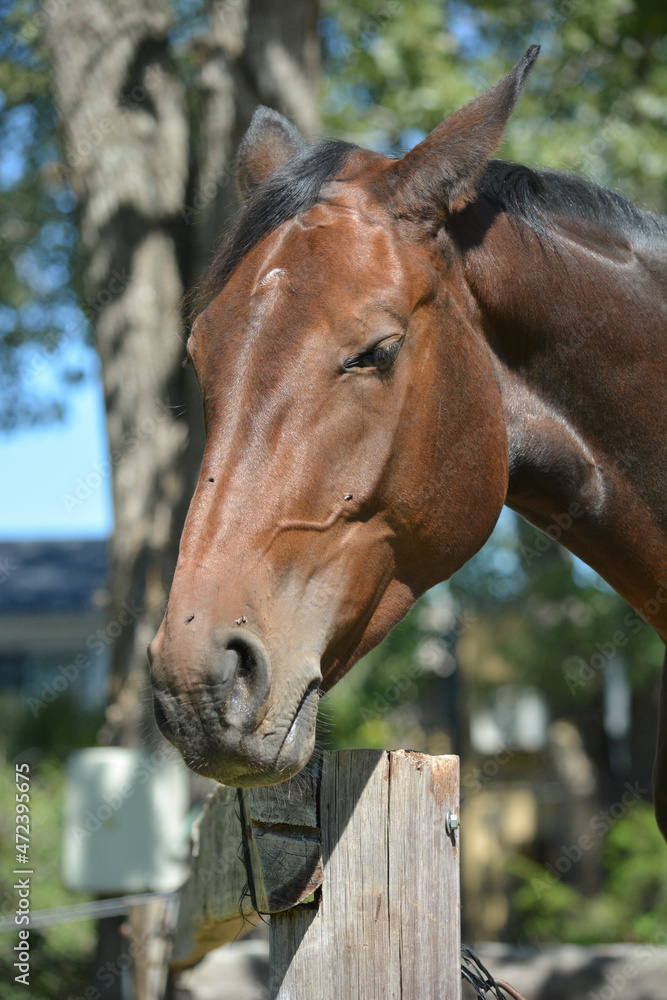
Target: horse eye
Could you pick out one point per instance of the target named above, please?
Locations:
(381, 358)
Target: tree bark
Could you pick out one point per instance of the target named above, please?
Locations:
(155, 187)
(125, 136)
(255, 52)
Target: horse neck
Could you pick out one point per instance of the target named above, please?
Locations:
(576, 329)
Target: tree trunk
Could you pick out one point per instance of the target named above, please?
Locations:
(256, 52)
(154, 195)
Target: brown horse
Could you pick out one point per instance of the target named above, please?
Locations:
(388, 351)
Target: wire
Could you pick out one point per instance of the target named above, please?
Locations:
(481, 980)
(85, 911)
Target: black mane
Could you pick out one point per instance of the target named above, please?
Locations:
(538, 197)
(291, 189)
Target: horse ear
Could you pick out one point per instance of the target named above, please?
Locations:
(442, 171)
(269, 143)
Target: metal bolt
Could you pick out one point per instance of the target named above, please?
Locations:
(451, 822)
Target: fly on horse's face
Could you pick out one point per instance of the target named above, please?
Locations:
(383, 349)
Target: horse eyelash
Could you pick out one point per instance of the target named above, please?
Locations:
(391, 351)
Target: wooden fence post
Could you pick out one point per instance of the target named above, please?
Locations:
(385, 921)
(387, 924)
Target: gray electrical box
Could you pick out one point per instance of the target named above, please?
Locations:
(124, 828)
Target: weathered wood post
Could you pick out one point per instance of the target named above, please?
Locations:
(368, 834)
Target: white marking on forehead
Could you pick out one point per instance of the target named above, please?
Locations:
(271, 277)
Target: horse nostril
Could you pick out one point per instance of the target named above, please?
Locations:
(246, 677)
(246, 661)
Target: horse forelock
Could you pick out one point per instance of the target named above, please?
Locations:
(290, 190)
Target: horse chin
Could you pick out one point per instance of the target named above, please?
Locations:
(266, 760)
(294, 754)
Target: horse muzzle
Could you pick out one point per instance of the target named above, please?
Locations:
(227, 714)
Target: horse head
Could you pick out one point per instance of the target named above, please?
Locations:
(356, 448)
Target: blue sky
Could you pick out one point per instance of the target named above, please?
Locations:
(54, 481)
(41, 466)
